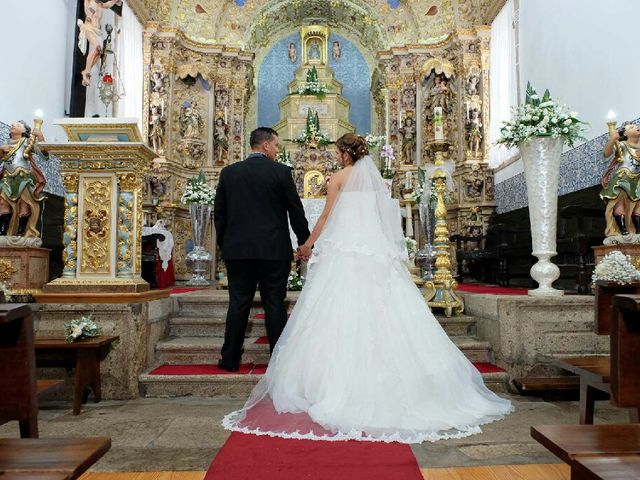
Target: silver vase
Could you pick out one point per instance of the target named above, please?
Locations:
(541, 158)
(427, 254)
(198, 258)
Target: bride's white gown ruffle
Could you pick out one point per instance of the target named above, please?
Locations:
(362, 356)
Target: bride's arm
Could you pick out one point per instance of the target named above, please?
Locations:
(333, 190)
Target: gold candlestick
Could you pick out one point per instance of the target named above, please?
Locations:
(440, 292)
(37, 125)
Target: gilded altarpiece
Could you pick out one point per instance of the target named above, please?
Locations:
(423, 92)
(103, 216)
(195, 106)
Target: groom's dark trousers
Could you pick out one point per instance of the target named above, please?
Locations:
(254, 199)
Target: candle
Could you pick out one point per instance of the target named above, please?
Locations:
(38, 115)
(611, 116)
(225, 114)
(408, 180)
(438, 126)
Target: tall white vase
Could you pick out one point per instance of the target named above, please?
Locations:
(541, 158)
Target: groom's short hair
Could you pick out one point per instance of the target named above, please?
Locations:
(261, 135)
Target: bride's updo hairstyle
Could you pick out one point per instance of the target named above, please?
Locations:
(354, 145)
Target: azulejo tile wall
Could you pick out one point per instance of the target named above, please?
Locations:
(50, 168)
(581, 167)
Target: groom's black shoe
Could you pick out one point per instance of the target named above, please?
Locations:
(228, 368)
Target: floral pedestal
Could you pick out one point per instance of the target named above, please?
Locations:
(541, 158)
(198, 258)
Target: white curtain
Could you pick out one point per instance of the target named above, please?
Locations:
(504, 86)
(131, 65)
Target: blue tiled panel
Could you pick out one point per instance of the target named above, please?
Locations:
(50, 169)
(351, 70)
(581, 167)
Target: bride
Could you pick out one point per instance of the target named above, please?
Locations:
(362, 357)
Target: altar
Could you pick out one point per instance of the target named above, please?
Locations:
(312, 210)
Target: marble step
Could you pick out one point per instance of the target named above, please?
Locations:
(208, 326)
(213, 303)
(206, 350)
(241, 385)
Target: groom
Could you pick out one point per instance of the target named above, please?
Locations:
(250, 215)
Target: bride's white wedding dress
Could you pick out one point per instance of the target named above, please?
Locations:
(362, 356)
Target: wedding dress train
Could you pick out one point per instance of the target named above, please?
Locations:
(362, 356)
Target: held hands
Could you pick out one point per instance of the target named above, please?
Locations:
(303, 252)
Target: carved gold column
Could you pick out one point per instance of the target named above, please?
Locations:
(128, 247)
(70, 236)
(440, 292)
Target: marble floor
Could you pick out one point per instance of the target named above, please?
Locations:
(173, 434)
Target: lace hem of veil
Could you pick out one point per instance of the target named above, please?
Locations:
(230, 422)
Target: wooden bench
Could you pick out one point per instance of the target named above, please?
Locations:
(593, 372)
(19, 394)
(84, 355)
(590, 449)
(50, 458)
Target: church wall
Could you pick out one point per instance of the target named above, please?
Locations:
(351, 69)
(585, 47)
(35, 44)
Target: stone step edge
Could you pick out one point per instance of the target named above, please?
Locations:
(201, 320)
(165, 345)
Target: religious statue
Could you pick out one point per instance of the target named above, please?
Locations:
(157, 78)
(21, 181)
(408, 97)
(472, 85)
(620, 182)
(221, 140)
(473, 184)
(474, 131)
(91, 33)
(314, 50)
(190, 120)
(336, 50)
(156, 130)
(438, 95)
(408, 132)
(292, 52)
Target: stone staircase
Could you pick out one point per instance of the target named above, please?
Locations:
(196, 333)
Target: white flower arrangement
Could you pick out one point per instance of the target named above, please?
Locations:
(540, 118)
(197, 191)
(284, 158)
(311, 135)
(412, 246)
(84, 327)
(615, 267)
(375, 141)
(295, 282)
(318, 89)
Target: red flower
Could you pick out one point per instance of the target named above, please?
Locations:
(107, 78)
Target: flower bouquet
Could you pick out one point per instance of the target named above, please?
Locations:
(295, 281)
(197, 191)
(540, 118)
(84, 327)
(284, 158)
(615, 267)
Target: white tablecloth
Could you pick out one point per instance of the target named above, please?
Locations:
(312, 209)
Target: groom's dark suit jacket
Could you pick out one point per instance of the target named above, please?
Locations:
(250, 211)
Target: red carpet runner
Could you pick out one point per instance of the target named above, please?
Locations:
(254, 457)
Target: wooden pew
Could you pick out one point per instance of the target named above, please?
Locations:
(83, 355)
(590, 449)
(19, 398)
(50, 458)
